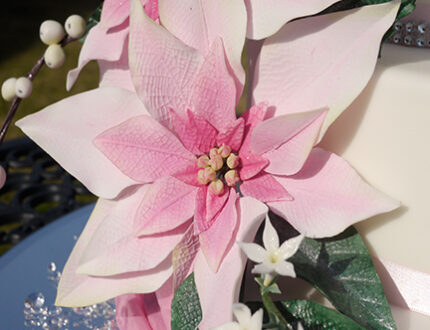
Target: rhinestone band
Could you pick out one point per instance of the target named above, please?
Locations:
(411, 34)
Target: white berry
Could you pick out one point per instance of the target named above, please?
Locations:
(51, 32)
(23, 87)
(54, 56)
(75, 26)
(8, 89)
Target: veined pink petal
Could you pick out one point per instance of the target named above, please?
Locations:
(289, 158)
(82, 290)
(272, 133)
(195, 132)
(219, 238)
(208, 206)
(143, 149)
(214, 92)
(116, 73)
(320, 61)
(265, 188)
(114, 13)
(254, 116)
(115, 249)
(329, 196)
(151, 9)
(162, 67)
(188, 174)
(267, 17)
(217, 304)
(199, 23)
(100, 44)
(232, 134)
(167, 204)
(251, 165)
(66, 130)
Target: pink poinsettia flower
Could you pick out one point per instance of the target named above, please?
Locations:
(107, 42)
(166, 159)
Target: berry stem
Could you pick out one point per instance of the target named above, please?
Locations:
(16, 101)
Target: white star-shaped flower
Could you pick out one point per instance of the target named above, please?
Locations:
(272, 258)
(245, 321)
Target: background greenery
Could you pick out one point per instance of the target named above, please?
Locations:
(21, 47)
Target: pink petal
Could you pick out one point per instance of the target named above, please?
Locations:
(232, 134)
(219, 238)
(151, 9)
(114, 13)
(217, 304)
(329, 196)
(162, 67)
(115, 249)
(214, 93)
(289, 158)
(195, 133)
(116, 73)
(82, 290)
(130, 312)
(167, 204)
(143, 149)
(253, 117)
(265, 188)
(251, 165)
(188, 174)
(66, 130)
(199, 23)
(145, 311)
(267, 17)
(274, 132)
(208, 207)
(320, 61)
(100, 44)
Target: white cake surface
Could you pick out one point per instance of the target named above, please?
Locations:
(385, 135)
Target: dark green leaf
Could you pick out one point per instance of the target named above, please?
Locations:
(93, 21)
(341, 268)
(186, 310)
(315, 316)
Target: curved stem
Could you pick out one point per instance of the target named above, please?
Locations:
(16, 101)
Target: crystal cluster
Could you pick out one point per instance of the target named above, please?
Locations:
(38, 314)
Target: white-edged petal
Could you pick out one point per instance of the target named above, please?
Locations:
(270, 236)
(242, 313)
(253, 251)
(229, 326)
(256, 321)
(290, 247)
(285, 268)
(264, 268)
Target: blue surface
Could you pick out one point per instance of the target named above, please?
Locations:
(24, 269)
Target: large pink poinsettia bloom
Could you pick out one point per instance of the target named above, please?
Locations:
(168, 160)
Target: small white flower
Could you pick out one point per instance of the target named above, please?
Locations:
(245, 321)
(272, 258)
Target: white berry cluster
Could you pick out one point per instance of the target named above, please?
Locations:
(51, 33)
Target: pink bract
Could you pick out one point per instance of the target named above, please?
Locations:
(139, 149)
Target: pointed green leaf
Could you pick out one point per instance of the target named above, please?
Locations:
(341, 268)
(315, 316)
(186, 309)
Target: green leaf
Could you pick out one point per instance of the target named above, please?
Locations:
(341, 269)
(93, 21)
(186, 310)
(313, 315)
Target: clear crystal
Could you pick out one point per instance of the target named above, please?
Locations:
(52, 267)
(398, 26)
(397, 38)
(421, 42)
(34, 302)
(422, 28)
(407, 40)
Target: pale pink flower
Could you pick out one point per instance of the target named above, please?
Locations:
(139, 151)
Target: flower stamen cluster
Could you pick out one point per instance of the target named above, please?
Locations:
(219, 168)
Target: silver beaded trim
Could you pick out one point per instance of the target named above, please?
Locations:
(411, 34)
